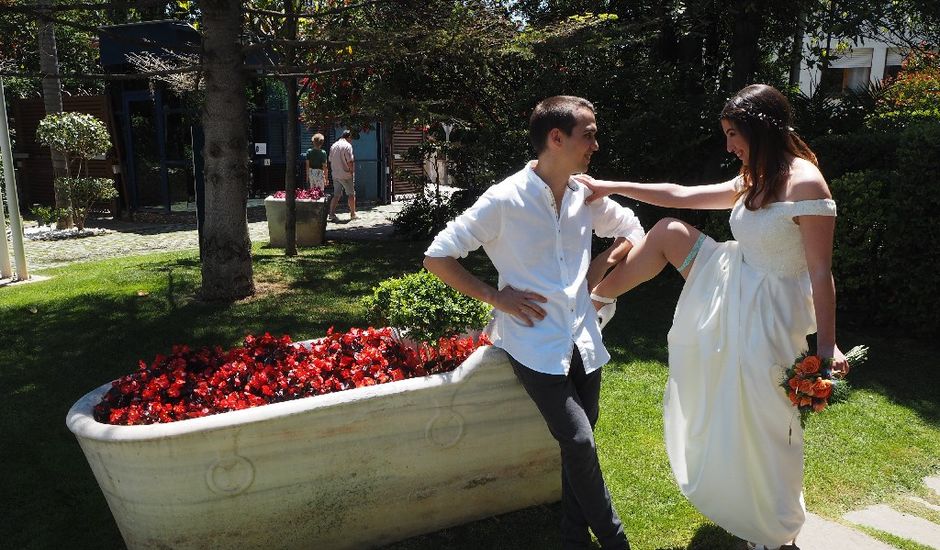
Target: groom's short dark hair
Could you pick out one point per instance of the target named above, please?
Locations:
(554, 112)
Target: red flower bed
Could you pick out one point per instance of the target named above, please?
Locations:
(192, 383)
(302, 194)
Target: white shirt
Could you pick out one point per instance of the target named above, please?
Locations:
(341, 152)
(536, 250)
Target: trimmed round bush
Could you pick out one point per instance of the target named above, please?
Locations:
(424, 307)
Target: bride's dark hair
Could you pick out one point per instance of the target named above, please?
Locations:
(761, 114)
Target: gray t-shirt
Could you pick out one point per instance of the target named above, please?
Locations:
(340, 153)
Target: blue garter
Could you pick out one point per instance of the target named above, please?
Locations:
(692, 253)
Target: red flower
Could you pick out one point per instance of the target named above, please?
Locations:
(810, 365)
(193, 383)
(312, 194)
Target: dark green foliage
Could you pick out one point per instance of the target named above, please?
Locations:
(83, 193)
(824, 115)
(887, 239)
(425, 307)
(840, 154)
(46, 215)
(426, 214)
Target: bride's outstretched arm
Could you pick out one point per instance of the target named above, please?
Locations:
(716, 196)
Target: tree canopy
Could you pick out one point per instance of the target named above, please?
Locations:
(657, 72)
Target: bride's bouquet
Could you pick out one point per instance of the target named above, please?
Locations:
(811, 385)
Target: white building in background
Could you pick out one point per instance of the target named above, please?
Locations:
(868, 61)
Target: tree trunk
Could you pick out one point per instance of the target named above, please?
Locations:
(52, 98)
(712, 48)
(796, 51)
(226, 258)
(290, 148)
(744, 44)
(290, 170)
(666, 47)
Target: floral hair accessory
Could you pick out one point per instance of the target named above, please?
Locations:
(744, 109)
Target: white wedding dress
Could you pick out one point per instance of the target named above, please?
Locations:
(743, 316)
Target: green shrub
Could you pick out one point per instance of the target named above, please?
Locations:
(859, 247)
(79, 137)
(425, 307)
(47, 215)
(840, 154)
(83, 193)
(886, 243)
(426, 214)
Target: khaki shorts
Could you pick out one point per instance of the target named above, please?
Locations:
(347, 184)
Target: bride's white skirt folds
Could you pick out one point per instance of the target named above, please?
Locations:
(727, 420)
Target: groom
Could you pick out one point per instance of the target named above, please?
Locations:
(536, 230)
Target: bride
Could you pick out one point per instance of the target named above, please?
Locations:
(743, 315)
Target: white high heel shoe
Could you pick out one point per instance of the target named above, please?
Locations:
(606, 312)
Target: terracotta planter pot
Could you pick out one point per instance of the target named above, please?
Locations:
(311, 221)
(353, 469)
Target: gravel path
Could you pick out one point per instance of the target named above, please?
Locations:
(132, 238)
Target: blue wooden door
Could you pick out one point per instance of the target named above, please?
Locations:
(366, 153)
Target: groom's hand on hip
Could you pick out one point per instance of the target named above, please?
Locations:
(520, 304)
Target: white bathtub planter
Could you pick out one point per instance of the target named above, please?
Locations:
(311, 221)
(352, 469)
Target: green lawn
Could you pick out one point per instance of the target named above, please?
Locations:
(92, 322)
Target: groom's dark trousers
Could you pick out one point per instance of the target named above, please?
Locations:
(570, 406)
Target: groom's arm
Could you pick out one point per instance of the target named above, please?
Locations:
(480, 224)
(612, 220)
(603, 262)
(456, 276)
(523, 305)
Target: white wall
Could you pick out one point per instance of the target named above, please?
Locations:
(867, 53)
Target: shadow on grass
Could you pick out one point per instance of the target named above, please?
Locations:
(535, 528)
(61, 348)
(904, 370)
(644, 315)
(711, 537)
(538, 528)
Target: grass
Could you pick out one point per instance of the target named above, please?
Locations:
(91, 323)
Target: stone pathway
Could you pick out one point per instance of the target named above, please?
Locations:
(885, 518)
(131, 238)
(822, 534)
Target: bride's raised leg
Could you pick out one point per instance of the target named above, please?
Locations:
(670, 241)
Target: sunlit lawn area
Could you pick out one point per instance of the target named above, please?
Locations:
(91, 323)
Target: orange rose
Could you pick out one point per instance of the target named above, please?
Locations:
(794, 383)
(819, 404)
(806, 401)
(806, 387)
(822, 388)
(793, 398)
(810, 364)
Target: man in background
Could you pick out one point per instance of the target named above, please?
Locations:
(343, 168)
